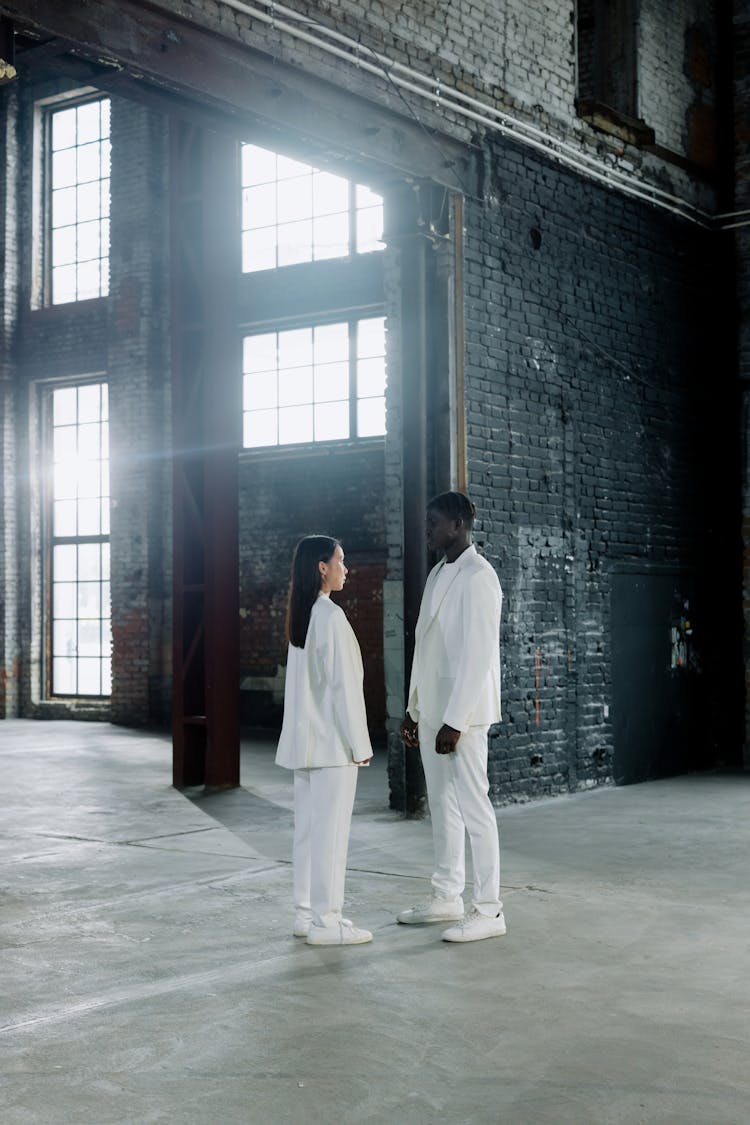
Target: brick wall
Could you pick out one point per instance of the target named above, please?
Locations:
(597, 420)
(138, 366)
(9, 640)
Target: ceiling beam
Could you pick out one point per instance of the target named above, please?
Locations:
(178, 57)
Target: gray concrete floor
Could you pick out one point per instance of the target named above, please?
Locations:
(148, 973)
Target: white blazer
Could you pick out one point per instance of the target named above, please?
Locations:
(455, 676)
(325, 722)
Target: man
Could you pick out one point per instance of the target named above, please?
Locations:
(454, 696)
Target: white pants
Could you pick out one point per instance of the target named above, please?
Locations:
(458, 792)
(323, 803)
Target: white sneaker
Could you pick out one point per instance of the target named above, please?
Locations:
(303, 921)
(476, 927)
(432, 909)
(342, 933)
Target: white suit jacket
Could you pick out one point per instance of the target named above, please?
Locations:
(455, 676)
(325, 722)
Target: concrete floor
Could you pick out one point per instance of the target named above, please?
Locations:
(148, 974)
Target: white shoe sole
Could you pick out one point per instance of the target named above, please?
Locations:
(422, 921)
(362, 938)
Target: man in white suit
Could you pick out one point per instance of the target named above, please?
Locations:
(454, 696)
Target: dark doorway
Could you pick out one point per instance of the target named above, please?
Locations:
(656, 681)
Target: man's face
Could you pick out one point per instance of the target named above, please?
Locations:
(442, 531)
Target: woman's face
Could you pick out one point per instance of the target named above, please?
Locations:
(333, 573)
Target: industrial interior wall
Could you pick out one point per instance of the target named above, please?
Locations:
(600, 417)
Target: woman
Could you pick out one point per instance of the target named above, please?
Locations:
(323, 739)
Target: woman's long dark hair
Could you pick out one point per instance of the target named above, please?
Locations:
(305, 584)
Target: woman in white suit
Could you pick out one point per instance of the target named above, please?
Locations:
(324, 739)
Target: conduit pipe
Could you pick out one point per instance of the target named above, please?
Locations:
(468, 107)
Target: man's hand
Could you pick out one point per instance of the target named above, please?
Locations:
(447, 737)
(409, 732)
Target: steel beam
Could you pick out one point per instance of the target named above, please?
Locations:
(207, 412)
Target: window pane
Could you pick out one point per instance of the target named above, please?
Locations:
(331, 236)
(64, 638)
(331, 382)
(258, 165)
(64, 129)
(295, 424)
(260, 428)
(370, 417)
(288, 168)
(296, 348)
(88, 599)
(89, 638)
(295, 386)
(88, 200)
(63, 285)
(64, 564)
(330, 194)
(104, 111)
(89, 562)
(88, 241)
(65, 482)
(88, 435)
(106, 677)
(367, 198)
(64, 207)
(89, 163)
(89, 518)
(295, 243)
(64, 599)
(332, 421)
(88, 280)
(259, 206)
(371, 377)
(64, 520)
(64, 675)
(88, 122)
(89, 403)
(259, 353)
(259, 249)
(64, 245)
(331, 342)
(64, 404)
(89, 677)
(64, 168)
(371, 337)
(295, 199)
(261, 391)
(64, 443)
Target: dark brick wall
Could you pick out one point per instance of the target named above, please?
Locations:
(338, 492)
(598, 407)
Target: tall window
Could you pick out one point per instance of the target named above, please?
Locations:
(319, 383)
(77, 244)
(292, 212)
(78, 519)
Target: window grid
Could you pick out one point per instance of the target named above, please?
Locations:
(293, 212)
(323, 382)
(79, 603)
(78, 178)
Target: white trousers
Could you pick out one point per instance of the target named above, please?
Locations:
(323, 803)
(458, 792)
